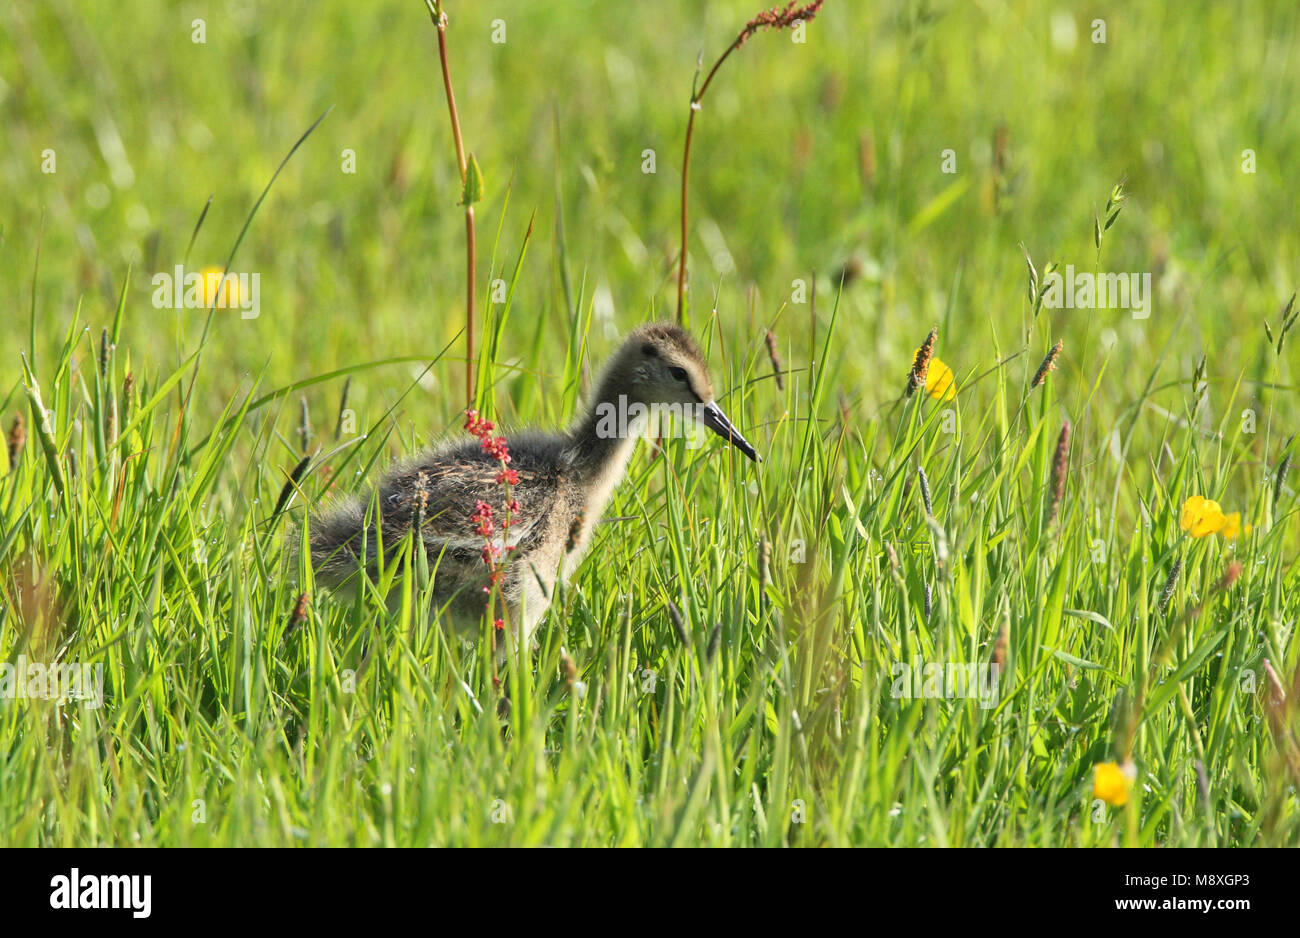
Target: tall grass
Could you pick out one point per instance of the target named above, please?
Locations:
(235, 712)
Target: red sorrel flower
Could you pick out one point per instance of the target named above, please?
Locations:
(485, 522)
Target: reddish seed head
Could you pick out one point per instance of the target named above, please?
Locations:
(779, 18)
(1060, 465)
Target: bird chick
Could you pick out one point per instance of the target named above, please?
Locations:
(565, 481)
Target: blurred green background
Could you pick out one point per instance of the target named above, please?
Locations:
(808, 157)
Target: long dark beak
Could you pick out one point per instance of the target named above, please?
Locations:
(717, 421)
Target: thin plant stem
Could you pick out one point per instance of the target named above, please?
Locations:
(440, 21)
(781, 18)
(696, 97)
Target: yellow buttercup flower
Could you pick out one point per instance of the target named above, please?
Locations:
(1201, 516)
(1232, 526)
(1111, 782)
(939, 383)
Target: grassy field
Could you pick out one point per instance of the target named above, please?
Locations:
(891, 172)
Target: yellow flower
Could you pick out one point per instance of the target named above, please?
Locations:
(1201, 516)
(1111, 782)
(939, 381)
(1232, 526)
(210, 289)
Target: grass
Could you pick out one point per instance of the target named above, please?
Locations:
(142, 531)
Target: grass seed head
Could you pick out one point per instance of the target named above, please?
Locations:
(779, 18)
(925, 492)
(1282, 468)
(128, 394)
(776, 360)
(679, 625)
(105, 349)
(921, 364)
(343, 407)
(1049, 364)
(1060, 466)
(1287, 321)
(1170, 584)
(290, 484)
(1033, 276)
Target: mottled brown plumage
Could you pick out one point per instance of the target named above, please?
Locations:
(565, 482)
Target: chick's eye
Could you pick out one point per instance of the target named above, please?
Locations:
(678, 373)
